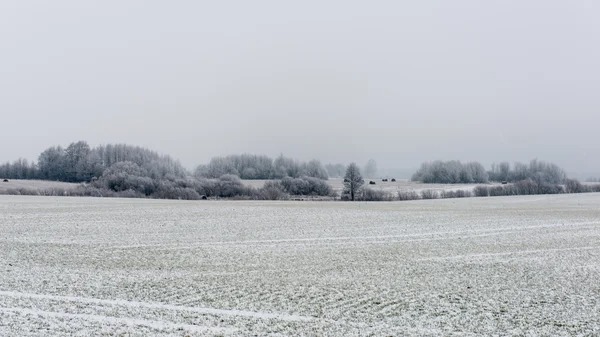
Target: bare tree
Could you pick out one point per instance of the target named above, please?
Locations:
(352, 180)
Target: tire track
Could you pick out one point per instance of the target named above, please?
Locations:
(518, 252)
(135, 304)
(158, 325)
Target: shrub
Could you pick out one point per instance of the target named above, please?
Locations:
(306, 186)
(547, 188)
(169, 190)
(367, 194)
(408, 195)
(574, 186)
(481, 191)
(272, 190)
(229, 186)
(594, 188)
(526, 187)
(429, 194)
(129, 194)
(496, 191)
(456, 194)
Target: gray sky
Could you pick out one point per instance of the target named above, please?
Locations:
(398, 81)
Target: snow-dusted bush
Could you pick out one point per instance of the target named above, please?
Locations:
(429, 194)
(574, 186)
(481, 191)
(272, 190)
(408, 195)
(456, 194)
(306, 186)
(368, 194)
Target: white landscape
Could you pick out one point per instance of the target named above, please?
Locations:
(523, 266)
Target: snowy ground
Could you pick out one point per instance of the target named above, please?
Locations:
(524, 266)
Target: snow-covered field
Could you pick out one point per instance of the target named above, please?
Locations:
(34, 185)
(523, 266)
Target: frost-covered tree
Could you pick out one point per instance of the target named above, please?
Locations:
(451, 172)
(352, 180)
(335, 170)
(76, 159)
(314, 169)
(52, 163)
(248, 166)
(539, 171)
(286, 167)
(500, 172)
(370, 169)
(19, 169)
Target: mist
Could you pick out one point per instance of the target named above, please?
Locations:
(401, 82)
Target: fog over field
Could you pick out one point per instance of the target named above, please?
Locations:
(523, 265)
(399, 81)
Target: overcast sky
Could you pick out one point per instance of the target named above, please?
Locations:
(398, 81)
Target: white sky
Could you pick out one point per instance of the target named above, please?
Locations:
(398, 81)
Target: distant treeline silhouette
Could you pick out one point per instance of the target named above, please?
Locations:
(451, 172)
(455, 172)
(248, 166)
(80, 163)
(130, 171)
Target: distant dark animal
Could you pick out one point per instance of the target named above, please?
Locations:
(5, 180)
(204, 197)
(371, 182)
(384, 180)
(393, 179)
(504, 182)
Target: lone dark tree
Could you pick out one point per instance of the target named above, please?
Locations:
(352, 180)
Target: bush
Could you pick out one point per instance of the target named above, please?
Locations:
(546, 188)
(129, 194)
(169, 190)
(526, 187)
(429, 194)
(496, 191)
(574, 186)
(456, 194)
(306, 186)
(481, 191)
(367, 194)
(408, 195)
(228, 186)
(272, 190)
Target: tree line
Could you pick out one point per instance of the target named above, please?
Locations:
(455, 172)
(248, 166)
(451, 172)
(78, 162)
(130, 171)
